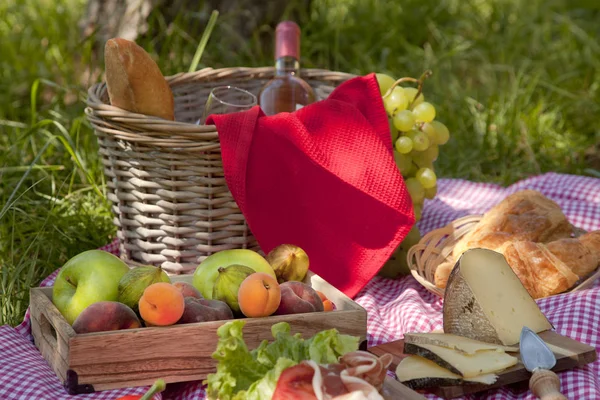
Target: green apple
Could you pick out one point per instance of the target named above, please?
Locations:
(85, 279)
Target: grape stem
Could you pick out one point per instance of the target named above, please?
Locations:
(419, 83)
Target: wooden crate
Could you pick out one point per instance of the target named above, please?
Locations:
(137, 357)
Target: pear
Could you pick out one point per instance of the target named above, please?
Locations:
(289, 262)
(136, 280)
(397, 265)
(228, 283)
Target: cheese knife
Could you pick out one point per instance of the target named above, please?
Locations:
(539, 360)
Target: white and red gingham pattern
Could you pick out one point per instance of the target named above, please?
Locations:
(394, 306)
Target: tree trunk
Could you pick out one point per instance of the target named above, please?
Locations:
(129, 18)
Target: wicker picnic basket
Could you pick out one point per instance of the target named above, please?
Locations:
(165, 180)
(435, 248)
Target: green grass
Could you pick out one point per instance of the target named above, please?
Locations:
(516, 82)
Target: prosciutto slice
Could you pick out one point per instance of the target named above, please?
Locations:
(359, 375)
(367, 366)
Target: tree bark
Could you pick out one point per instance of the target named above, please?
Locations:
(129, 18)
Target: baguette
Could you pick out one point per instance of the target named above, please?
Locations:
(135, 82)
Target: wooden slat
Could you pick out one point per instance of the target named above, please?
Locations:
(49, 351)
(569, 354)
(178, 343)
(51, 332)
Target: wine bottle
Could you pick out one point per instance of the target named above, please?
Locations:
(286, 92)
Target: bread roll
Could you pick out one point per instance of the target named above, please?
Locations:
(134, 81)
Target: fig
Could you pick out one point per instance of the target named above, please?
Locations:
(289, 262)
(136, 280)
(228, 284)
(206, 273)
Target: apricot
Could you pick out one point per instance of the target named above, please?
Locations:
(259, 295)
(161, 304)
(106, 316)
(188, 290)
(327, 304)
(298, 298)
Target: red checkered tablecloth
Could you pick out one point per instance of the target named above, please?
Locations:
(394, 306)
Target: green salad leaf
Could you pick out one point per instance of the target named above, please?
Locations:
(237, 369)
(265, 388)
(326, 347)
(252, 374)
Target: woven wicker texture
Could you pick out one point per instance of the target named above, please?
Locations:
(435, 248)
(171, 203)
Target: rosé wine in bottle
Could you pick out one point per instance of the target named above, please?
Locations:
(286, 92)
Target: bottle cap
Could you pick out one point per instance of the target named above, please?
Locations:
(287, 40)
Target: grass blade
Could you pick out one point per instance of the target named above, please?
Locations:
(203, 41)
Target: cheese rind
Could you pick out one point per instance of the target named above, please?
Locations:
(485, 300)
(420, 373)
(467, 366)
(455, 342)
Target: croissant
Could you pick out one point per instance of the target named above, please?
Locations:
(524, 215)
(581, 255)
(546, 269)
(540, 271)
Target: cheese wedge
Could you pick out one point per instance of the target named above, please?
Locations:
(465, 365)
(458, 343)
(485, 300)
(420, 373)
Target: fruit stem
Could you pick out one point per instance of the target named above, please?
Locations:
(422, 78)
(220, 269)
(419, 83)
(399, 81)
(157, 387)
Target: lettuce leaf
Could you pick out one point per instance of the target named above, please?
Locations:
(244, 374)
(237, 369)
(326, 347)
(265, 387)
(285, 345)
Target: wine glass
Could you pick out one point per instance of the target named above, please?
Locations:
(227, 99)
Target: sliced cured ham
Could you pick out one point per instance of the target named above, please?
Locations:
(358, 376)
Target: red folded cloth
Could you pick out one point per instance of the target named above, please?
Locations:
(322, 178)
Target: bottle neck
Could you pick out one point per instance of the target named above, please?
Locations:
(287, 65)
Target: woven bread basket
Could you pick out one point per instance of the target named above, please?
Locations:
(435, 249)
(165, 180)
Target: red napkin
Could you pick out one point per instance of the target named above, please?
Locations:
(322, 178)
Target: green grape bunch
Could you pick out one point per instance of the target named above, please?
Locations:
(416, 138)
(416, 135)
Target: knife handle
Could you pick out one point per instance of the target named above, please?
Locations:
(545, 384)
